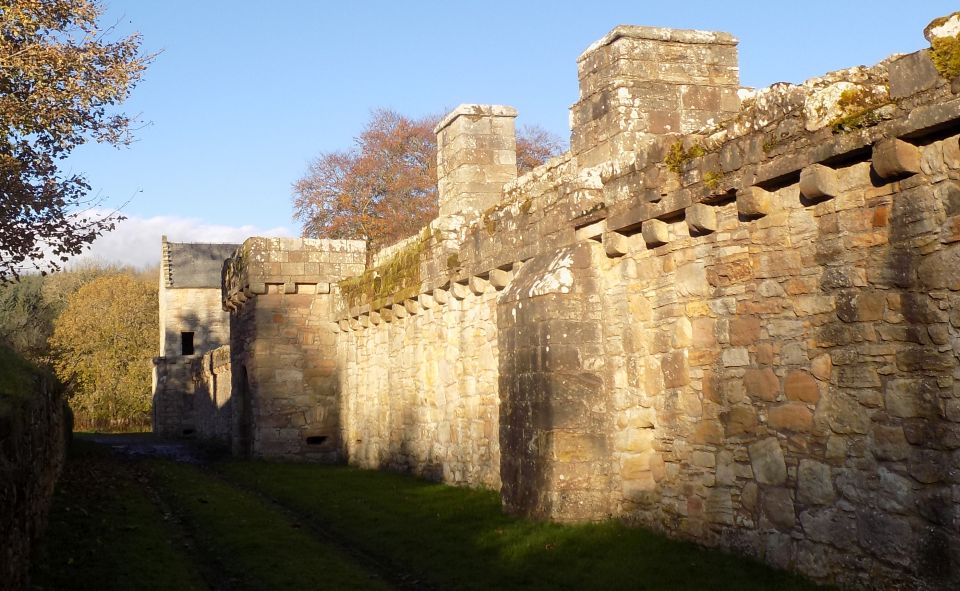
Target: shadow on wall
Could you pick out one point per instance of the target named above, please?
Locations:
(244, 422)
(888, 443)
(199, 340)
(920, 396)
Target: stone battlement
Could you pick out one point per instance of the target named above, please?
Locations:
(729, 315)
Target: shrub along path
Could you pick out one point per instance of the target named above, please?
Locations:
(139, 522)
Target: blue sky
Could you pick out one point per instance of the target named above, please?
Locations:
(245, 94)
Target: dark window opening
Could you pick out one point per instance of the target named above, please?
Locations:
(186, 343)
(316, 439)
(188, 432)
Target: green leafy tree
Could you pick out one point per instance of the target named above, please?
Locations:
(102, 346)
(60, 79)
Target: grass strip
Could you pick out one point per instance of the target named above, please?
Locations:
(258, 545)
(106, 534)
(458, 538)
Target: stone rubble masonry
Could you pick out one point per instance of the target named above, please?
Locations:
(754, 346)
(213, 396)
(33, 430)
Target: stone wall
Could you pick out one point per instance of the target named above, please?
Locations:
(213, 397)
(729, 315)
(419, 388)
(189, 302)
(282, 345)
(173, 396)
(33, 429)
(746, 336)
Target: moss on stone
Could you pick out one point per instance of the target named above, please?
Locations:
(945, 53)
(397, 276)
(453, 261)
(712, 179)
(859, 110)
(676, 156)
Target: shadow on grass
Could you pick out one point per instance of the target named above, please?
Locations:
(106, 533)
(458, 538)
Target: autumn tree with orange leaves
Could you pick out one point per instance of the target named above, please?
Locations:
(385, 189)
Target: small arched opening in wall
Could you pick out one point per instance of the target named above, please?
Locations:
(246, 415)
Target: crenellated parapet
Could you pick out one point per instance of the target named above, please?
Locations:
(288, 265)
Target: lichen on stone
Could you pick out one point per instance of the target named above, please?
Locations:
(858, 108)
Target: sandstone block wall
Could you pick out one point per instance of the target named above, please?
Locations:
(419, 387)
(190, 302)
(728, 315)
(743, 336)
(477, 156)
(174, 396)
(638, 83)
(282, 345)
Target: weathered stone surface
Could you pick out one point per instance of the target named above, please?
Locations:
(941, 270)
(893, 157)
(842, 413)
(655, 232)
(33, 431)
(801, 386)
(790, 416)
(735, 357)
(762, 384)
(476, 156)
(830, 526)
(766, 458)
(744, 330)
(888, 537)
(814, 483)
(739, 420)
(674, 385)
(754, 202)
(911, 74)
(821, 367)
(701, 218)
(819, 182)
(887, 442)
(499, 278)
(615, 244)
(674, 367)
(778, 508)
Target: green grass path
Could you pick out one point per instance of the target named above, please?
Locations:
(233, 525)
(458, 538)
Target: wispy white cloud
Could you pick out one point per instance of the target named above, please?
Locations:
(136, 240)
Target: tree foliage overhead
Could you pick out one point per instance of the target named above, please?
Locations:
(385, 188)
(59, 81)
(102, 346)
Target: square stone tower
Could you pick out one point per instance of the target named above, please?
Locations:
(476, 156)
(638, 83)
